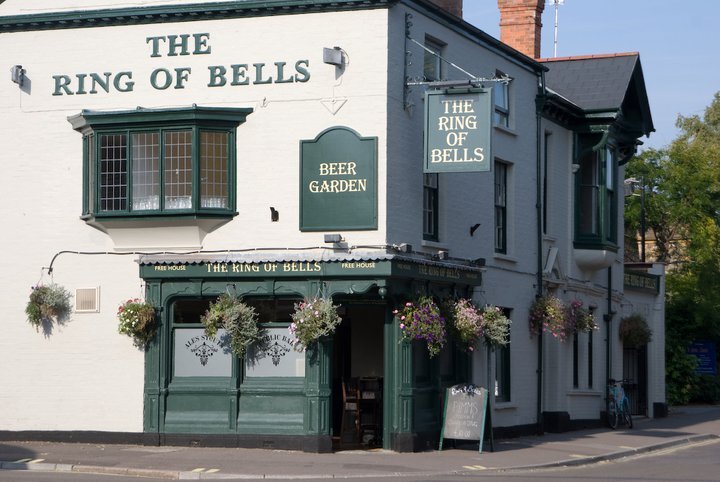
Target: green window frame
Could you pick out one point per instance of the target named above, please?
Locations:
(501, 207)
(596, 206)
(159, 162)
(430, 207)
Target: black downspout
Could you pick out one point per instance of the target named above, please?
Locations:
(608, 324)
(539, 210)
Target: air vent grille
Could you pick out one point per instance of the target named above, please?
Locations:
(87, 300)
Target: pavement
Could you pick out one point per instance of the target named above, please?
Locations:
(684, 426)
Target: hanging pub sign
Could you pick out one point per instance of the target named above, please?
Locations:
(458, 130)
(338, 181)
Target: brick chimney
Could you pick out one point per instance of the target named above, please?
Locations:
(520, 25)
(452, 6)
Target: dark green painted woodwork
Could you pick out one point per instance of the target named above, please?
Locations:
(300, 407)
(338, 181)
(638, 280)
(334, 273)
(197, 120)
(147, 118)
(178, 13)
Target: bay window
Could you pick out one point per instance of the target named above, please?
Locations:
(596, 202)
(170, 162)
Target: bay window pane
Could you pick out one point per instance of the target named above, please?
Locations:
(213, 169)
(113, 172)
(589, 195)
(178, 169)
(146, 171)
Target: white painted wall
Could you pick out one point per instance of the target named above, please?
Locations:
(85, 376)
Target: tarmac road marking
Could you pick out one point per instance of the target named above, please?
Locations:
(474, 467)
(35, 461)
(212, 471)
(206, 471)
(626, 447)
(21, 461)
(578, 456)
(199, 469)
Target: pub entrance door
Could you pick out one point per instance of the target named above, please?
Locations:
(358, 368)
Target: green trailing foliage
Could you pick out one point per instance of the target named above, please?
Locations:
(137, 319)
(238, 319)
(48, 304)
(313, 319)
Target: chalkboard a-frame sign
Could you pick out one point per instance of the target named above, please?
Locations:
(465, 414)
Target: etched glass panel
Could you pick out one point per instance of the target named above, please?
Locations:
(199, 355)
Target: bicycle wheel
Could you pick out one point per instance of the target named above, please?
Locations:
(626, 413)
(612, 415)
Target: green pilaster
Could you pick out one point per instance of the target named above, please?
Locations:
(318, 378)
(152, 393)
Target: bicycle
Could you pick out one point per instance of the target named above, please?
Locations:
(618, 404)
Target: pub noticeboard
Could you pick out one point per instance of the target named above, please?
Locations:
(465, 413)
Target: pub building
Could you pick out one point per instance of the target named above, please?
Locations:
(365, 151)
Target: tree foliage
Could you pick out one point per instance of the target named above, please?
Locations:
(682, 211)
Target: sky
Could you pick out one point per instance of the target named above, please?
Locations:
(678, 42)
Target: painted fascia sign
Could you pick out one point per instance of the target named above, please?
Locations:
(458, 130)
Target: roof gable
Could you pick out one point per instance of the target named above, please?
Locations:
(603, 83)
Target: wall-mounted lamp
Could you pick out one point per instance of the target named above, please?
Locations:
(17, 74)
(480, 262)
(575, 168)
(333, 238)
(403, 247)
(473, 228)
(443, 255)
(333, 56)
(274, 215)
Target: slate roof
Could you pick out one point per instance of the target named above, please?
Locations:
(592, 82)
(600, 82)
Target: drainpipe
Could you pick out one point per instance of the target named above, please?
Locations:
(538, 216)
(608, 323)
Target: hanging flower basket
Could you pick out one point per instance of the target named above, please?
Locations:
(548, 315)
(579, 318)
(634, 331)
(495, 326)
(47, 304)
(465, 323)
(422, 321)
(238, 319)
(137, 319)
(313, 318)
